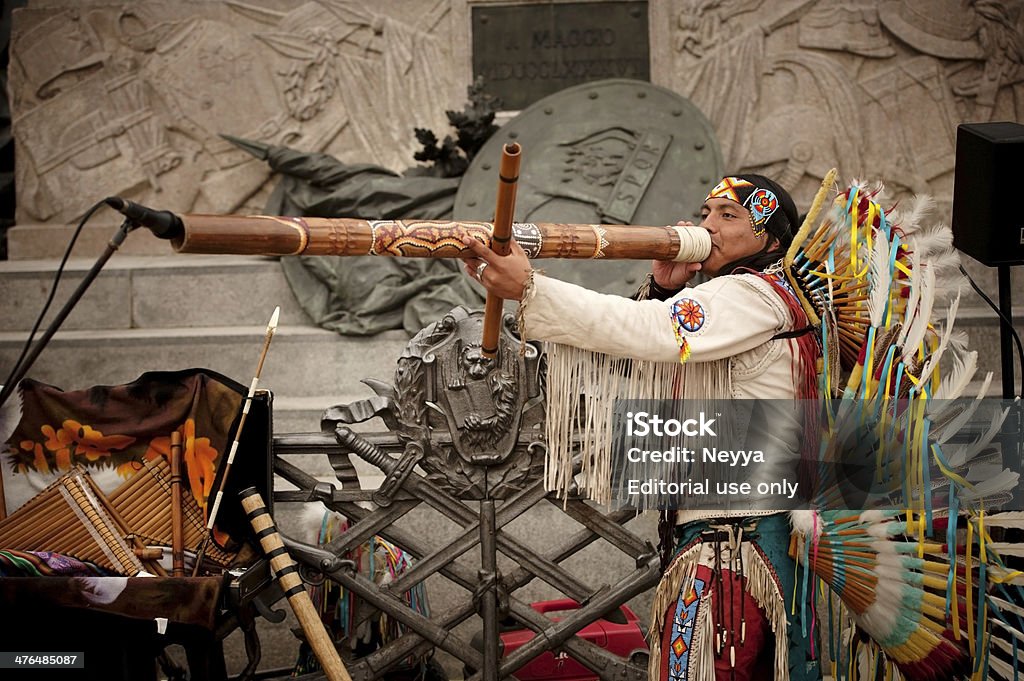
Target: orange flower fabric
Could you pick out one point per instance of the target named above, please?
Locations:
(199, 455)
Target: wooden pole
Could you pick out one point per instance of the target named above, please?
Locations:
(287, 573)
(271, 328)
(8, 428)
(501, 238)
(3, 500)
(177, 526)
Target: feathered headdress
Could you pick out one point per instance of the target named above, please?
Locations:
(917, 573)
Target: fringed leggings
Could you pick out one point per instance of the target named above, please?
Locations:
(734, 615)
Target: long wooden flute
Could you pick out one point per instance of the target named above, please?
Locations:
(177, 520)
(270, 235)
(501, 240)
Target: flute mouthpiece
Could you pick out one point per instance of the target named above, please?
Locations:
(694, 244)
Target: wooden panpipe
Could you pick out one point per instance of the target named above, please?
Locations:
(270, 235)
(72, 517)
(145, 502)
(69, 518)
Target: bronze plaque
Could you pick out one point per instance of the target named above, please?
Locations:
(610, 152)
(527, 52)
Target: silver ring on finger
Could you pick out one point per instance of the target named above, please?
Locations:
(480, 271)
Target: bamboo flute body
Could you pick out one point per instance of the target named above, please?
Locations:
(501, 237)
(270, 235)
(177, 523)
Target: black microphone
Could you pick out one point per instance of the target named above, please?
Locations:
(163, 223)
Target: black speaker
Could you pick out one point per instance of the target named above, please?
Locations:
(988, 224)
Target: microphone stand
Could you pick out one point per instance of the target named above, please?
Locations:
(1012, 432)
(19, 372)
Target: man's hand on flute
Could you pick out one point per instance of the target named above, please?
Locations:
(505, 276)
(502, 275)
(672, 275)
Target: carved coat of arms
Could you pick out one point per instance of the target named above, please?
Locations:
(478, 420)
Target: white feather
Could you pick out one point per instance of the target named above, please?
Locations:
(915, 294)
(946, 266)
(962, 455)
(806, 522)
(959, 340)
(1006, 627)
(1007, 575)
(840, 224)
(880, 193)
(995, 486)
(1002, 669)
(931, 241)
(920, 207)
(957, 423)
(940, 408)
(1008, 519)
(1005, 669)
(964, 367)
(984, 465)
(933, 359)
(1002, 603)
(874, 516)
(922, 317)
(881, 282)
(1006, 548)
(983, 390)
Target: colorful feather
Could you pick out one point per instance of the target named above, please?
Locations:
(908, 578)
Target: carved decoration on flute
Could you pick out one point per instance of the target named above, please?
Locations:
(876, 86)
(132, 99)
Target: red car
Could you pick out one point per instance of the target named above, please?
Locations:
(619, 633)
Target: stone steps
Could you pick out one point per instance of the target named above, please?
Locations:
(302, 361)
(302, 414)
(149, 313)
(48, 242)
(137, 292)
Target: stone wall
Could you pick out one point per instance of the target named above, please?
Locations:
(875, 87)
(130, 98)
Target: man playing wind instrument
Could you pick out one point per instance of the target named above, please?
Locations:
(741, 334)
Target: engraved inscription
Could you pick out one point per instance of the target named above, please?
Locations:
(526, 52)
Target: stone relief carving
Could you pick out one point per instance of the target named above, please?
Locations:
(877, 87)
(131, 100)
